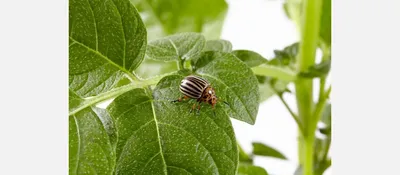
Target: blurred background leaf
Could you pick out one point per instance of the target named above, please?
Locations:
(265, 150)
(165, 17)
(318, 70)
(243, 156)
(248, 169)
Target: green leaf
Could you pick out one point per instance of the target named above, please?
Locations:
(157, 136)
(287, 56)
(175, 47)
(243, 156)
(74, 100)
(265, 150)
(319, 70)
(218, 45)
(233, 81)
(325, 27)
(108, 124)
(106, 39)
(252, 59)
(247, 169)
(166, 17)
(90, 148)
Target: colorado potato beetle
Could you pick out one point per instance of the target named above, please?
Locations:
(194, 87)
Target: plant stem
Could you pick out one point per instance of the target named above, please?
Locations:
(309, 155)
(115, 93)
(295, 117)
(181, 63)
(275, 71)
(319, 109)
(304, 87)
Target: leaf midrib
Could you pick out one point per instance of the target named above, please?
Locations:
(158, 135)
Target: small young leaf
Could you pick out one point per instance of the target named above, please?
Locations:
(157, 136)
(279, 72)
(165, 17)
(106, 38)
(233, 81)
(218, 45)
(248, 169)
(175, 47)
(265, 150)
(287, 56)
(90, 148)
(319, 70)
(252, 59)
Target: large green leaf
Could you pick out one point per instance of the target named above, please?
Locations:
(91, 140)
(106, 39)
(157, 136)
(166, 17)
(265, 150)
(233, 81)
(248, 169)
(175, 47)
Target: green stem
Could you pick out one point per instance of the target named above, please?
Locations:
(294, 116)
(275, 72)
(319, 109)
(181, 63)
(115, 93)
(304, 87)
(309, 155)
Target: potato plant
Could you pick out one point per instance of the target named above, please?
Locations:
(141, 131)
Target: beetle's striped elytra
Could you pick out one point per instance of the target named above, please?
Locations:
(194, 87)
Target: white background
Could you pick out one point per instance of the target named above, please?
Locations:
(262, 26)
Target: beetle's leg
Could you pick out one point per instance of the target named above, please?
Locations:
(194, 106)
(180, 99)
(198, 109)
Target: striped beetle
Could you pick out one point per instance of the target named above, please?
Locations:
(194, 87)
